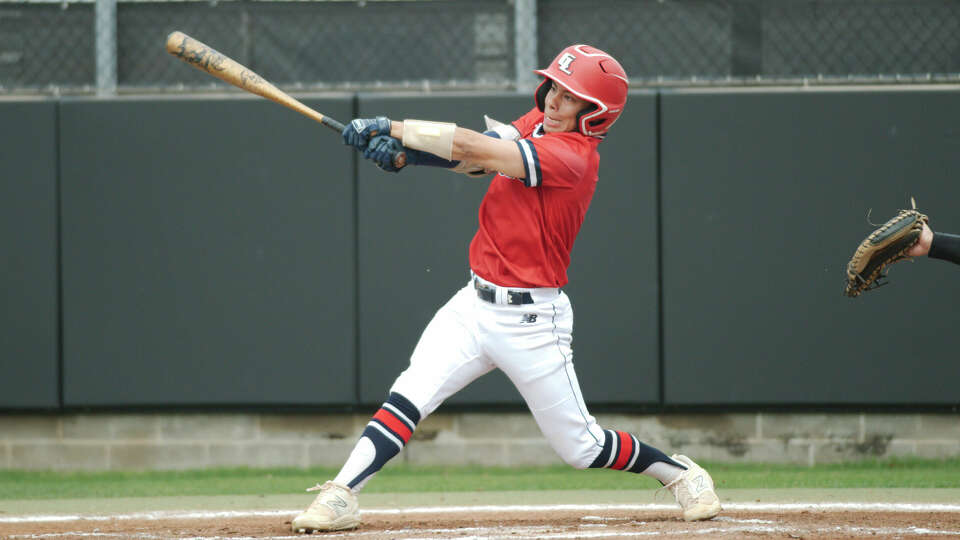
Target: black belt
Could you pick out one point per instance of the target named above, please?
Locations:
(489, 294)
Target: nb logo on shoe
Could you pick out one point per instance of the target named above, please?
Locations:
(699, 484)
(337, 504)
(528, 318)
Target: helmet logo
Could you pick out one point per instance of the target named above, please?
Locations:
(564, 63)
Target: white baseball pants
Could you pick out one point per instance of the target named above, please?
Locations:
(468, 337)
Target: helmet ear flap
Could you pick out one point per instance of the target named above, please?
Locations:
(540, 96)
(587, 110)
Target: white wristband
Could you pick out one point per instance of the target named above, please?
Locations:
(433, 137)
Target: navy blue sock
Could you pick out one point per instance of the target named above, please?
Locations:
(624, 452)
(389, 430)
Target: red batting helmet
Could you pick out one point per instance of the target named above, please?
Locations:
(591, 75)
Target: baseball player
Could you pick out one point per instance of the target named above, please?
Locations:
(512, 314)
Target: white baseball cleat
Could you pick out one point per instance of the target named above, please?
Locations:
(335, 508)
(694, 491)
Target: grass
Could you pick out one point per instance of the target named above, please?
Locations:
(901, 473)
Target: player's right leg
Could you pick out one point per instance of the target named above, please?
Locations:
(446, 359)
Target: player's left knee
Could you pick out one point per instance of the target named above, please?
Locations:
(577, 450)
(578, 458)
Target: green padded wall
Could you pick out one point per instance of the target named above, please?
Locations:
(29, 356)
(765, 197)
(208, 253)
(223, 251)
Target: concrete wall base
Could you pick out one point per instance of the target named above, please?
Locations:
(112, 441)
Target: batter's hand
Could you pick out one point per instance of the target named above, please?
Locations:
(359, 131)
(387, 152)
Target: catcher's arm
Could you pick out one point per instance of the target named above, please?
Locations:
(945, 247)
(937, 245)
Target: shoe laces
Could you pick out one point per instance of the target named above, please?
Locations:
(319, 487)
(672, 487)
(320, 500)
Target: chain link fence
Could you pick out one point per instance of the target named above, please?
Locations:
(117, 46)
(764, 41)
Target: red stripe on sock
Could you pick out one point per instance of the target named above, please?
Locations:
(395, 424)
(626, 450)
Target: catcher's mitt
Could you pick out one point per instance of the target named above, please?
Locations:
(885, 246)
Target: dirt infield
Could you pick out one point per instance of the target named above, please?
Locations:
(738, 520)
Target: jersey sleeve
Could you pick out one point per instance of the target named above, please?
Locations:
(552, 160)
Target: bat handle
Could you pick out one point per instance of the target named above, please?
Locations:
(332, 124)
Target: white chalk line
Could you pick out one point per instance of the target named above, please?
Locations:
(545, 532)
(749, 507)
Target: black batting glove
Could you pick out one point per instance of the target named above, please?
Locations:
(387, 152)
(359, 131)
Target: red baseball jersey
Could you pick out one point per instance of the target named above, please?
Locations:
(528, 225)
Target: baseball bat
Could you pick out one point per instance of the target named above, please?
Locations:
(206, 58)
